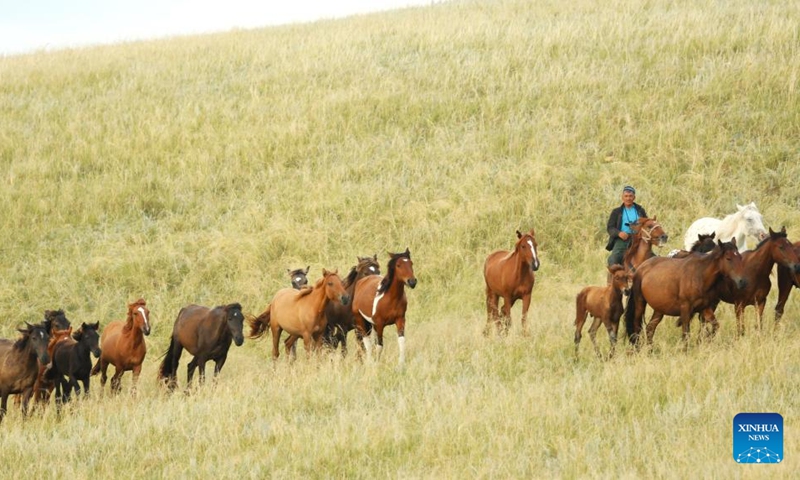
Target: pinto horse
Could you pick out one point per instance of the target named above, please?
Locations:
(340, 317)
(509, 275)
(19, 364)
(300, 312)
(205, 333)
(758, 264)
(298, 277)
(122, 345)
(381, 301)
(646, 232)
(746, 222)
(72, 359)
(681, 287)
(786, 280)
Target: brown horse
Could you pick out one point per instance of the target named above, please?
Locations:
(509, 275)
(786, 280)
(605, 305)
(681, 287)
(298, 277)
(646, 233)
(340, 317)
(19, 364)
(758, 264)
(122, 345)
(381, 301)
(205, 333)
(300, 312)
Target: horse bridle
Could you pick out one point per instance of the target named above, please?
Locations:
(648, 234)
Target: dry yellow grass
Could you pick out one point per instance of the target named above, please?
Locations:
(196, 170)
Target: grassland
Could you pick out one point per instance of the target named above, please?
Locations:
(198, 169)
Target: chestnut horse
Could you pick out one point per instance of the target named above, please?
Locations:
(509, 275)
(72, 359)
(646, 232)
(298, 277)
(122, 345)
(300, 312)
(380, 301)
(19, 364)
(57, 323)
(786, 280)
(205, 333)
(605, 305)
(758, 264)
(340, 317)
(681, 287)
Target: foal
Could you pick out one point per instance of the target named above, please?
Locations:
(605, 305)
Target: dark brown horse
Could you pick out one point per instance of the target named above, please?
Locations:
(123, 346)
(704, 244)
(205, 333)
(509, 275)
(298, 277)
(681, 287)
(57, 323)
(646, 233)
(72, 361)
(300, 312)
(340, 317)
(19, 364)
(786, 280)
(758, 263)
(380, 301)
(605, 305)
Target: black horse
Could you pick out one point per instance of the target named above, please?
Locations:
(72, 359)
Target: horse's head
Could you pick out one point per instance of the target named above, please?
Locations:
(621, 278)
(705, 243)
(88, 336)
(367, 266)
(334, 289)
(782, 250)
(139, 316)
(651, 231)
(528, 248)
(751, 221)
(55, 320)
(38, 338)
(235, 321)
(731, 263)
(299, 277)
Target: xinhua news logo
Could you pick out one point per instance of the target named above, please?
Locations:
(758, 438)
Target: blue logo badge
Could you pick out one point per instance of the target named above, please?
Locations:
(758, 438)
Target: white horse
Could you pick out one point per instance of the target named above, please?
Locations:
(746, 222)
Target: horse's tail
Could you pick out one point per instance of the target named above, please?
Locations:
(165, 369)
(259, 324)
(630, 312)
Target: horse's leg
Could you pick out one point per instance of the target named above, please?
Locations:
(593, 334)
(190, 371)
(218, 364)
(710, 318)
(651, 327)
(526, 302)
(580, 319)
(760, 304)
(739, 309)
(308, 343)
(201, 364)
(136, 371)
(613, 329)
(276, 338)
(401, 339)
(103, 372)
(177, 351)
(116, 380)
(784, 289)
(506, 314)
(3, 406)
(378, 340)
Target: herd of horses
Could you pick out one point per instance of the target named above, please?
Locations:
(715, 267)
(50, 356)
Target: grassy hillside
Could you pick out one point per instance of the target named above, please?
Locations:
(198, 169)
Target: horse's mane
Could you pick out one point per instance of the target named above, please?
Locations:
(771, 236)
(351, 277)
(389, 278)
(22, 342)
